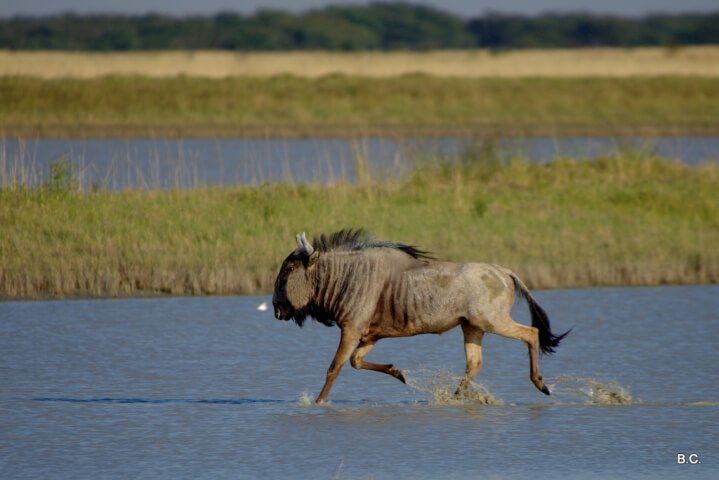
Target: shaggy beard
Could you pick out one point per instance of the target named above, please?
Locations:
(299, 318)
(320, 315)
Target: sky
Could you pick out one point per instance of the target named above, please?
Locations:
(465, 8)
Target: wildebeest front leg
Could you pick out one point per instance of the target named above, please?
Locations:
(363, 349)
(348, 341)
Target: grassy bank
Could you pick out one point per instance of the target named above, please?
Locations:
(341, 105)
(615, 221)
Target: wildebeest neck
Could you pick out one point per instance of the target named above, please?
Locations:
(348, 283)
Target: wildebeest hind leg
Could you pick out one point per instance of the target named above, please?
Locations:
(357, 361)
(473, 351)
(529, 335)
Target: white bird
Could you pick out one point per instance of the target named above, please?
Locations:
(262, 307)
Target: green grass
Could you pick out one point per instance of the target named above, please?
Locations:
(624, 220)
(340, 105)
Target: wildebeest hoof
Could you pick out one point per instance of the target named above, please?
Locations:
(400, 377)
(545, 390)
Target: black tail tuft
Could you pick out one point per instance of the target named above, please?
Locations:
(547, 340)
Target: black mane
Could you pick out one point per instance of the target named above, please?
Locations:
(348, 239)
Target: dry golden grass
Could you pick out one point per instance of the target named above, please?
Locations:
(607, 62)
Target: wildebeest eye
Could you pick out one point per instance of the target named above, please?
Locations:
(292, 268)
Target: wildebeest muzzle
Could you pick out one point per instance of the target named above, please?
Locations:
(281, 314)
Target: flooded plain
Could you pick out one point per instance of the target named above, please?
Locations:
(211, 387)
(118, 164)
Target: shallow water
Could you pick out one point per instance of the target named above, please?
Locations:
(171, 163)
(213, 388)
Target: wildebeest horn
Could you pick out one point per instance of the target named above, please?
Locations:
(303, 244)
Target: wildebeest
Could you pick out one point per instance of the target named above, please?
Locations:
(375, 289)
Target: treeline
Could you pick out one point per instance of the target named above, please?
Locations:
(378, 26)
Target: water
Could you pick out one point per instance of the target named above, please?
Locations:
(169, 388)
(167, 163)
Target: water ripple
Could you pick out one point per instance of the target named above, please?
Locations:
(218, 401)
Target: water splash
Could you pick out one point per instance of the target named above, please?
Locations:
(609, 394)
(591, 391)
(441, 387)
(306, 400)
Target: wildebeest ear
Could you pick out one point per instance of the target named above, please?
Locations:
(312, 259)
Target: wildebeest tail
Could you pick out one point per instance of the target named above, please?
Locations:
(547, 340)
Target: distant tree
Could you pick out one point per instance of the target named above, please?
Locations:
(380, 25)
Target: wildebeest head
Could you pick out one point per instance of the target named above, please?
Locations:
(293, 286)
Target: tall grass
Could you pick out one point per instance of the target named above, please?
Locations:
(628, 219)
(341, 105)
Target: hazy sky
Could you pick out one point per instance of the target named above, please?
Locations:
(461, 7)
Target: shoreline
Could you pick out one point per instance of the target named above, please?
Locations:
(156, 295)
(409, 131)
